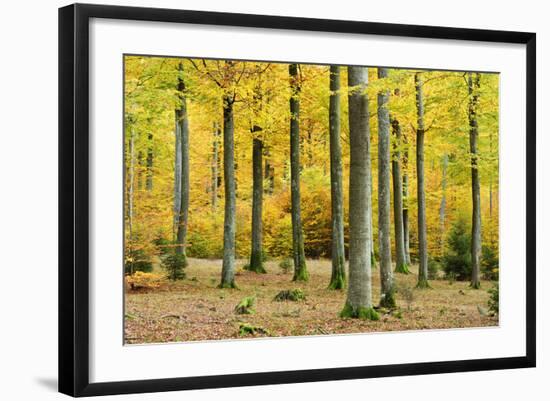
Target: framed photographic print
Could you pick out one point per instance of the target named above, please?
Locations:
(250, 199)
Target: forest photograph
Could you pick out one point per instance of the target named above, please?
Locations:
(270, 199)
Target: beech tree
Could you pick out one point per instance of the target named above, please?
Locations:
(256, 254)
(387, 298)
(359, 296)
(299, 257)
(228, 264)
(405, 206)
(215, 177)
(182, 130)
(226, 78)
(401, 265)
(443, 204)
(473, 88)
(150, 156)
(420, 189)
(130, 196)
(338, 278)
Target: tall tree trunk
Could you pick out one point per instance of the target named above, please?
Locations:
(491, 237)
(228, 266)
(387, 296)
(338, 278)
(256, 254)
(400, 258)
(269, 173)
(130, 200)
(473, 88)
(150, 156)
(359, 297)
(406, 235)
(214, 167)
(420, 190)
(443, 204)
(140, 169)
(183, 122)
(300, 269)
(371, 224)
(177, 173)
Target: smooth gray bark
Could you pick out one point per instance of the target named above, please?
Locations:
(473, 88)
(140, 168)
(183, 122)
(214, 167)
(338, 278)
(406, 235)
(443, 204)
(400, 258)
(384, 203)
(359, 296)
(269, 173)
(131, 169)
(228, 265)
(300, 269)
(491, 237)
(371, 220)
(150, 156)
(177, 173)
(420, 190)
(256, 253)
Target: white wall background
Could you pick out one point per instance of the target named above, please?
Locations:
(28, 199)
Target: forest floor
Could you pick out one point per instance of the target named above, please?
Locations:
(195, 309)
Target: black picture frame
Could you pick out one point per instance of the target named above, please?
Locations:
(74, 199)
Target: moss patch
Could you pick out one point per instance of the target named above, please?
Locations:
(388, 300)
(338, 282)
(423, 284)
(246, 329)
(301, 274)
(290, 295)
(402, 268)
(359, 313)
(246, 306)
(230, 285)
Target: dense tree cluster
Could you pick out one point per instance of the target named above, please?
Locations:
(229, 159)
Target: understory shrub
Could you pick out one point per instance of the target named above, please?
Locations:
(141, 280)
(286, 265)
(493, 299)
(489, 263)
(434, 267)
(203, 246)
(138, 261)
(457, 259)
(163, 245)
(174, 264)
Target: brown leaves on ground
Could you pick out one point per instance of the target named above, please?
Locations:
(195, 309)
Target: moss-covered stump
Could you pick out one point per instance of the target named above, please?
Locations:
(290, 295)
(246, 329)
(246, 306)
